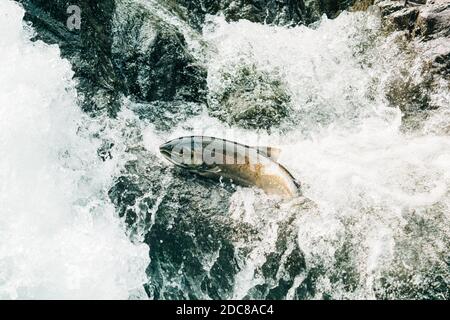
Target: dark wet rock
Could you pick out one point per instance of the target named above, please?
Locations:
(421, 18)
(194, 11)
(279, 12)
(184, 224)
(88, 49)
(104, 152)
(332, 8)
(404, 19)
(250, 98)
(433, 21)
(266, 11)
(418, 273)
(389, 7)
(413, 99)
(126, 48)
(436, 54)
(424, 20)
(432, 30)
(197, 249)
(121, 49)
(165, 115)
(281, 266)
(192, 251)
(425, 26)
(153, 57)
(361, 5)
(262, 11)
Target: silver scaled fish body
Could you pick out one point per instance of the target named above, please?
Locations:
(244, 165)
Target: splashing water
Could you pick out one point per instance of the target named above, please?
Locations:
(378, 227)
(383, 197)
(373, 222)
(59, 236)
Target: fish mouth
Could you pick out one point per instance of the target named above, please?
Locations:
(166, 151)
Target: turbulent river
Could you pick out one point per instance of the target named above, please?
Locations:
(373, 220)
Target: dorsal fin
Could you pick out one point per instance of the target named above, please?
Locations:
(269, 152)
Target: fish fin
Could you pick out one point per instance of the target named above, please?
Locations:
(203, 170)
(269, 152)
(214, 170)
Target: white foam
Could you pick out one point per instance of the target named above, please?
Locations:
(59, 235)
(367, 177)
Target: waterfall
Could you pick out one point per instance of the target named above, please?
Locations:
(59, 235)
(90, 209)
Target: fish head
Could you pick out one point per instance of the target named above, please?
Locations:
(191, 153)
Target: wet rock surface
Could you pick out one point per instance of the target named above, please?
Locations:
(202, 245)
(88, 49)
(184, 224)
(425, 26)
(284, 12)
(125, 48)
(121, 49)
(433, 20)
(251, 98)
(199, 243)
(153, 57)
(262, 11)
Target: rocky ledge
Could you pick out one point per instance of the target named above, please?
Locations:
(425, 27)
(280, 12)
(140, 50)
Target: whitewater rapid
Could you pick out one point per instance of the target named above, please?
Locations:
(379, 227)
(372, 221)
(59, 235)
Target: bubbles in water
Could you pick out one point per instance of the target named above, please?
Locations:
(373, 221)
(59, 235)
(378, 192)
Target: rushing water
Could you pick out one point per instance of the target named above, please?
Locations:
(372, 221)
(59, 236)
